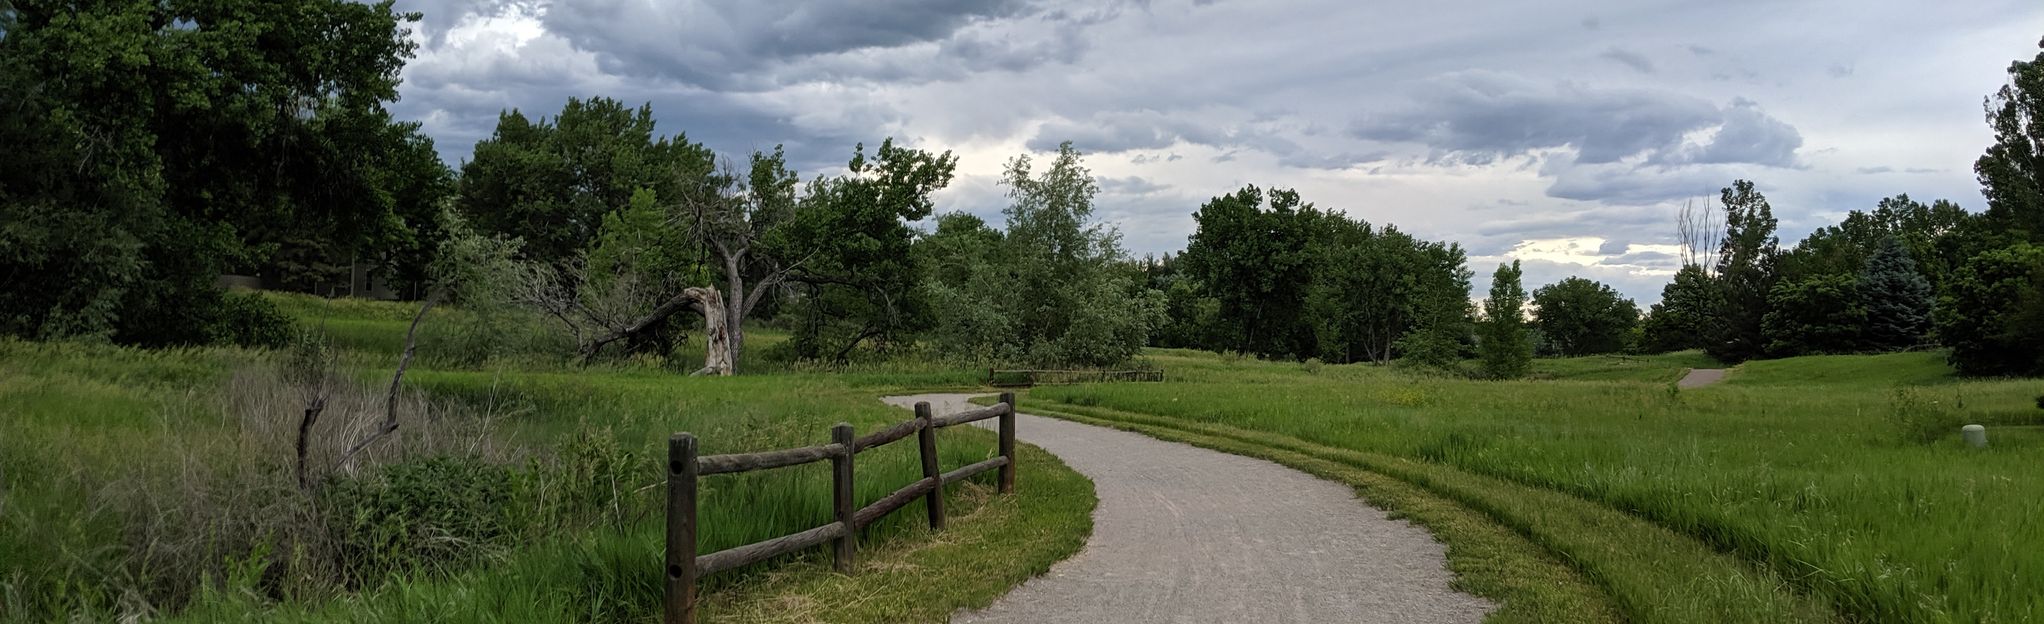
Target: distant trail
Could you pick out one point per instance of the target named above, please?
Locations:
(1185, 534)
(1700, 377)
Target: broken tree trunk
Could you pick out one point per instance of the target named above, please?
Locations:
(717, 355)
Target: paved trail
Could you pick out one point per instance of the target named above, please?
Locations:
(1185, 534)
(1700, 377)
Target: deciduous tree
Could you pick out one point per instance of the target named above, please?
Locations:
(1582, 317)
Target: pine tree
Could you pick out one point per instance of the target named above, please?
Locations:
(1897, 298)
(1503, 343)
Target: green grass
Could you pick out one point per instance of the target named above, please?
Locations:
(73, 417)
(1799, 473)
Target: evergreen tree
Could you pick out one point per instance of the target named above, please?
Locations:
(1897, 298)
(1502, 341)
(1745, 274)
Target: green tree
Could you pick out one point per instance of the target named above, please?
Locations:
(1745, 274)
(152, 146)
(1819, 314)
(2012, 170)
(1582, 317)
(1056, 287)
(1684, 317)
(1372, 291)
(551, 182)
(1926, 232)
(1898, 299)
(847, 245)
(1257, 261)
(1502, 343)
(1986, 315)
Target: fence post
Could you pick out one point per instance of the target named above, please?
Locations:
(842, 494)
(926, 441)
(1008, 442)
(681, 529)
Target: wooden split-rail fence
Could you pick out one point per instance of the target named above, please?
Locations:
(1024, 377)
(684, 468)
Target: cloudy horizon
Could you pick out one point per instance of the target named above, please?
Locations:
(1565, 135)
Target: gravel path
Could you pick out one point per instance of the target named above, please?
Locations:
(1700, 377)
(1185, 534)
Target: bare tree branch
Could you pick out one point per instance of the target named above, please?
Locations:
(390, 402)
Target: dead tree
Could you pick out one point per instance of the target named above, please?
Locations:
(719, 350)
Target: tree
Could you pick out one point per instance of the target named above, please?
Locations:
(1372, 290)
(2011, 172)
(152, 146)
(1257, 261)
(1055, 288)
(849, 245)
(1745, 274)
(1898, 299)
(1818, 314)
(1582, 317)
(1684, 317)
(1924, 230)
(551, 182)
(1502, 343)
(1987, 315)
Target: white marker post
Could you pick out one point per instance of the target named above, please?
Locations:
(1976, 435)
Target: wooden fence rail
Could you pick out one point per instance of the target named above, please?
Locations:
(1022, 378)
(685, 467)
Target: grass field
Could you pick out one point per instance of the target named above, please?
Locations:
(130, 477)
(1802, 489)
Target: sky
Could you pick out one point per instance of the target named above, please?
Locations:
(1565, 134)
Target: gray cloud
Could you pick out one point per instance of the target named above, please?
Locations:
(1628, 58)
(1131, 185)
(1477, 117)
(1613, 247)
(740, 45)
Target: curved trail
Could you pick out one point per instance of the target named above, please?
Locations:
(1185, 534)
(1700, 377)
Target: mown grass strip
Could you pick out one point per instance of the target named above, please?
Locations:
(1649, 573)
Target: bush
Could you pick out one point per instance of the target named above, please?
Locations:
(440, 512)
(251, 320)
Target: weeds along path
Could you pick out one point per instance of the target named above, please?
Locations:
(1186, 534)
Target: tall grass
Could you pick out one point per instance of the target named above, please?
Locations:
(1802, 466)
(159, 483)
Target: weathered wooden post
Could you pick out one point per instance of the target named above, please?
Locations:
(926, 441)
(681, 529)
(1976, 435)
(1008, 442)
(842, 495)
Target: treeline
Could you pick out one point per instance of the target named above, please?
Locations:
(152, 146)
(1900, 276)
(156, 146)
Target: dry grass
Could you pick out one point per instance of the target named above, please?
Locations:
(223, 510)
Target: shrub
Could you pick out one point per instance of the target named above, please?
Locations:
(250, 320)
(436, 513)
(1311, 366)
(1921, 419)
